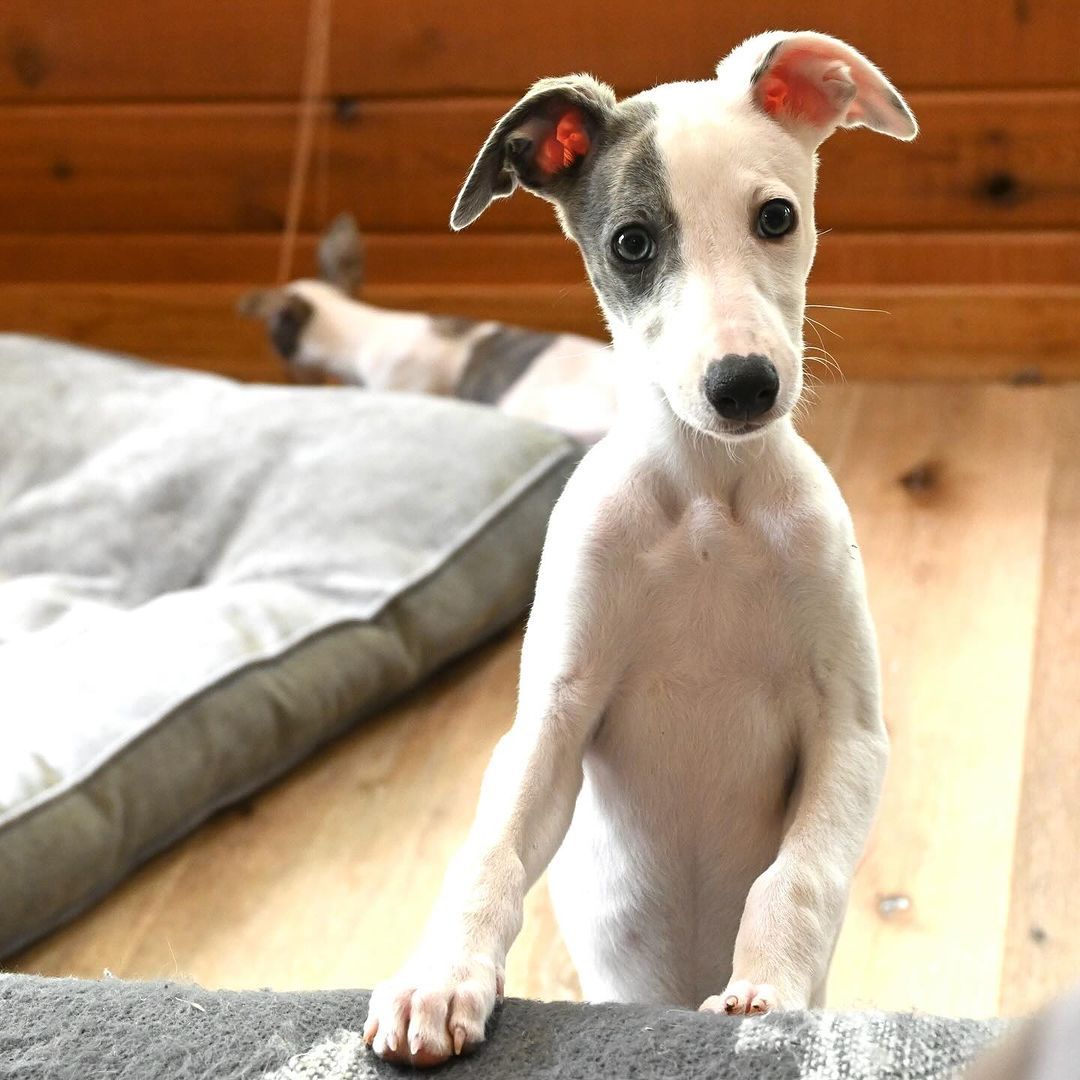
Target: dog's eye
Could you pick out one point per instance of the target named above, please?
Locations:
(633, 244)
(776, 218)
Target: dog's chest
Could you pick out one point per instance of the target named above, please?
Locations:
(723, 652)
(723, 591)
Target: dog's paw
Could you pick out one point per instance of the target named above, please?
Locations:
(423, 1016)
(743, 998)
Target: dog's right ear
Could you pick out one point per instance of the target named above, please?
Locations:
(543, 143)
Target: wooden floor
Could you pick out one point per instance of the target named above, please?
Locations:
(967, 503)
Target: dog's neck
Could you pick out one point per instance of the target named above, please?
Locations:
(696, 463)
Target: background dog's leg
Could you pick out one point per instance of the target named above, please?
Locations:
(341, 255)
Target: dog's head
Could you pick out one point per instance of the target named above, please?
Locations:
(692, 204)
(295, 314)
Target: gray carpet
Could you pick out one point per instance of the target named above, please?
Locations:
(69, 1029)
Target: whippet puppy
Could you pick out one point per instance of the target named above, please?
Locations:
(321, 330)
(699, 734)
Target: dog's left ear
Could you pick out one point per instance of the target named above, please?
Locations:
(543, 143)
(812, 84)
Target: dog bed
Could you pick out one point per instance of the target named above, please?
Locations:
(68, 1029)
(201, 582)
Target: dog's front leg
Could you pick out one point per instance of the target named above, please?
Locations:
(439, 1002)
(794, 909)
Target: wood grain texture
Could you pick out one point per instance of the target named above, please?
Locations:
(847, 258)
(72, 50)
(75, 50)
(429, 47)
(954, 570)
(1043, 944)
(131, 168)
(192, 326)
(988, 160)
(909, 333)
(150, 258)
(325, 879)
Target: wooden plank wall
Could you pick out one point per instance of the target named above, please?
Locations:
(145, 152)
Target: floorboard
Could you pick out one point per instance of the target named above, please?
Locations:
(1042, 947)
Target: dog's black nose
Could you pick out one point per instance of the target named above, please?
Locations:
(741, 387)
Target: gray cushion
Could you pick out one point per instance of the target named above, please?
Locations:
(200, 582)
(68, 1029)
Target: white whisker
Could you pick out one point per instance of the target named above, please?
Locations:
(822, 326)
(840, 307)
(827, 361)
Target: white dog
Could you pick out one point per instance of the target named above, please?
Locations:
(699, 733)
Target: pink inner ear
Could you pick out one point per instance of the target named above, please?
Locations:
(568, 142)
(793, 88)
(774, 95)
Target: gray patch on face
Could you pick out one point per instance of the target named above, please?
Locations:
(498, 360)
(452, 326)
(763, 66)
(625, 183)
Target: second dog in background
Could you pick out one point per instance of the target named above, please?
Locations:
(320, 329)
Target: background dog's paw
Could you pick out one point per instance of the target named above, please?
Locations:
(422, 1018)
(743, 998)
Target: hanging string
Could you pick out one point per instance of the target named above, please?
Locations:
(316, 67)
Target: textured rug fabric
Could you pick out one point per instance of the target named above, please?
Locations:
(68, 1029)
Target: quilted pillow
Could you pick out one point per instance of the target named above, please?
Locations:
(201, 582)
